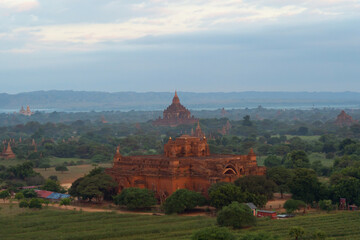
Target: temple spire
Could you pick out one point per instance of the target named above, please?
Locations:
(176, 99)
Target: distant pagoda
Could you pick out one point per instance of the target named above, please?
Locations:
(176, 114)
(344, 119)
(26, 112)
(8, 153)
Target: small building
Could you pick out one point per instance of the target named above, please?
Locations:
(51, 195)
(252, 207)
(353, 208)
(264, 213)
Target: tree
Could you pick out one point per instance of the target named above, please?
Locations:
(281, 176)
(213, 233)
(257, 185)
(54, 186)
(272, 161)
(292, 205)
(349, 188)
(246, 121)
(296, 233)
(135, 198)
(305, 185)
(222, 195)
(99, 186)
(236, 215)
(35, 203)
(23, 204)
(44, 165)
(4, 195)
(29, 193)
(182, 200)
(61, 168)
(297, 159)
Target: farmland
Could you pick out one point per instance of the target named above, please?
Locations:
(59, 224)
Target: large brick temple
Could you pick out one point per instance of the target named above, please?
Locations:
(176, 114)
(186, 163)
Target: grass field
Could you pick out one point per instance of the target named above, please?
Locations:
(74, 172)
(68, 224)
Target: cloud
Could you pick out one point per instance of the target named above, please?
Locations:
(19, 5)
(119, 22)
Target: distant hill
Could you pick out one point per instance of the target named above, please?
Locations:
(86, 101)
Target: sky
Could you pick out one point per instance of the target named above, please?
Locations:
(197, 45)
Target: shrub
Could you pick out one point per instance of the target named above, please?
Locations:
(182, 200)
(296, 233)
(291, 205)
(319, 235)
(35, 203)
(213, 233)
(19, 196)
(61, 168)
(53, 177)
(23, 204)
(65, 202)
(135, 198)
(236, 215)
(325, 205)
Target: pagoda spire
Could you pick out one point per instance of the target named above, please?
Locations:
(176, 99)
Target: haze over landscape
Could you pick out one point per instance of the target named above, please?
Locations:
(174, 120)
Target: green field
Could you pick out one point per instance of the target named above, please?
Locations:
(67, 224)
(74, 172)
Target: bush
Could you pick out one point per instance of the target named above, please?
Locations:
(53, 177)
(65, 202)
(291, 205)
(326, 205)
(236, 215)
(135, 198)
(19, 196)
(319, 235)
(35, 203)
(61, 168)
(23, 204)
(213, 233)
(182, 200)
(296, 233)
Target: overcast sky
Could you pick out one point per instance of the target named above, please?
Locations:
(197, 45)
